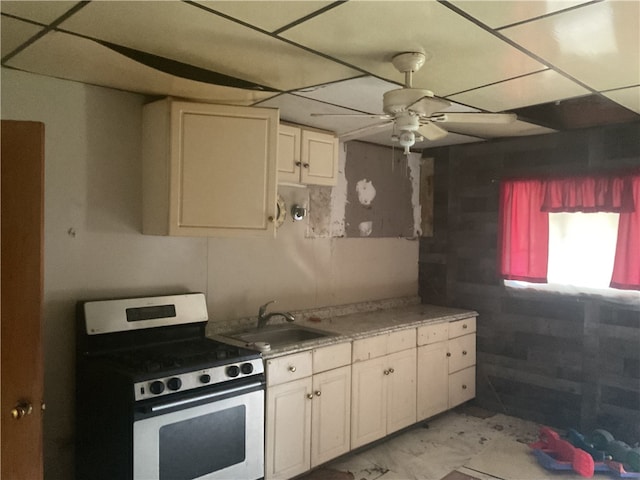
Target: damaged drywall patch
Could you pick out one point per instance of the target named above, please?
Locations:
(380, 184)
(365, 228)
(339, 196)
(366, 192)
(319, 225)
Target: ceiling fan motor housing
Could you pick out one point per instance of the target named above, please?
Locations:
(396, 101)
(408, 122)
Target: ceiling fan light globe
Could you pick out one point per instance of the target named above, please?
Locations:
(407, 139)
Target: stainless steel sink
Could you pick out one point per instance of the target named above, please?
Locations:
(279, 335)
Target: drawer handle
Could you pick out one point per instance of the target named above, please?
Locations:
(318, 393)
(292, 368)
(464, 325)
(391, 370)
(448, 354)
(309, 396)
(464, 352)
(464, 387)
(386, 372)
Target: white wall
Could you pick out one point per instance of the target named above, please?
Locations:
(94, 248)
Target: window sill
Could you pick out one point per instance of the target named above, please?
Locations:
(605, 294)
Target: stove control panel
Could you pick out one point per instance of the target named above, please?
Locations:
(195, 379)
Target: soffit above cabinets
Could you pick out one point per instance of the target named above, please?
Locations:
(307, 57)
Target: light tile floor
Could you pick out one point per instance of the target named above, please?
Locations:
(485, 448)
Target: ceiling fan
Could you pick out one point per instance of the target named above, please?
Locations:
(414, 112)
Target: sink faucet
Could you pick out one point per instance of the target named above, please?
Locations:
(263, 316)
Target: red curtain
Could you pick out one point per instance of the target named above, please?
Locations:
(588, 194)
(626, 266)
(524, 231)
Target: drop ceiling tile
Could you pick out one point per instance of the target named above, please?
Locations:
(363, 94)
(627, 97)
(497, 14)
(74, 58)
(266, 14)
(298, 110)
(38, 11)
(368, 34)
(14, 33)
(598, 44)
(191, 35)
(540, 87)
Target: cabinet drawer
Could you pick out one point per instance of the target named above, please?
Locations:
(334, 356)
(462, 386)
(401, 340)
(462, 327)
(372, 347)
(462, 352)
(288, 368)
(433, 333)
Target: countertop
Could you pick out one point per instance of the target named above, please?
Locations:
(352, 326)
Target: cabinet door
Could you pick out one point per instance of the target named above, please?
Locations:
(462, 386)
(401, 389)
(209, 170)
(432, 380)
(319, 158)
(289, 154)
(368, 402)
(288, 429)
(331, 415)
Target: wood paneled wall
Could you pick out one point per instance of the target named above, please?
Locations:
(558, 359)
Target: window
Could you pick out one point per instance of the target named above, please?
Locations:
(582, 248)
(582, 232)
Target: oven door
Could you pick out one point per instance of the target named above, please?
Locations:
(212, 434)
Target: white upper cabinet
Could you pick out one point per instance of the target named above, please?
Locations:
(307, 157)
(209, 170)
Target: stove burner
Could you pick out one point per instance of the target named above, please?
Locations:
(192, 354)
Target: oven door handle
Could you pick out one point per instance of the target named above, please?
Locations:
(208, 396)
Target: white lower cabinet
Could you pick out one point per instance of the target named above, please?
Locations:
(433, 380)
(307, 413)
(288, 429)
(462, 386)
(330, 415)
(322, 403)
(383, 387)
(446, 366)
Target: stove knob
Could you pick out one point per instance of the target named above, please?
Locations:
(174, 383)
(205, 378)
(233, 371)
(156, 387)
(246, 368)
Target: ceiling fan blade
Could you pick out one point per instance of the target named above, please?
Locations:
(431, 131)
(361, 115)
(427, 105)
(184, 70)
(359, 131)
(470, 117)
